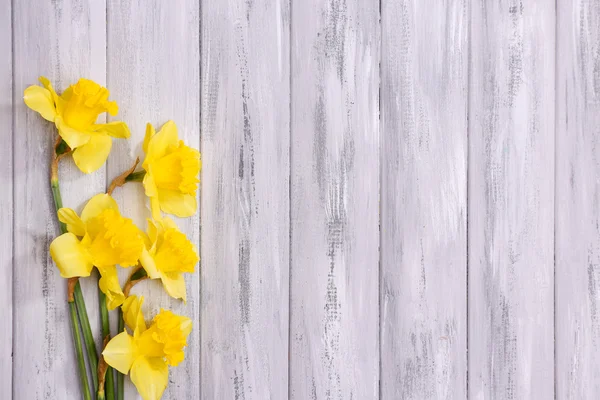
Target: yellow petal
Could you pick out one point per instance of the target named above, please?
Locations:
(149, 133)
(150, 377)
(160, 143)
(116, 129)
(174, 284)
(93, 154)
(149, 265)
(120, 352)
(74, 224)
(70, 256)
(177, 203)
(40, 100)
(96, 205)
(149, 185)
(110, 286)
(152, 232)
(132, 314)
(73, 137)
(58, 102)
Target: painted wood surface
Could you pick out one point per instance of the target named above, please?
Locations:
(245, 206)
(341, 258)
(61, 42)
(153, 53)
(334, 324)
(424, 200)
(511, 200)
(577, 200)
(6, 201)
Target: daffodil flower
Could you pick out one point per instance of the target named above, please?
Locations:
(168, 256)
(149, 352)
(101, 237)
(75, 113)
(172, 170)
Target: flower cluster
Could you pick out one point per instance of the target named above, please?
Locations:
(100, 236)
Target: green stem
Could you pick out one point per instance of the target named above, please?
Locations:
(77, 307)
(135, 176)
(120, 376)
(58, 202)
(110, 387)
(79, 350)
(87, 334)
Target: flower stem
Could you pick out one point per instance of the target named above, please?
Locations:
(120, 376)
(135, 176)
(110, 388)
(74, 304)
(87, 333)
(79, 350)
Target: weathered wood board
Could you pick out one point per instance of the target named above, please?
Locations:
(577, 200)
(399, 198)
(154, 73)
(511, 200)
(62, 41)
(334, 337)
(245, 199)
(6, 201)
(424, 199)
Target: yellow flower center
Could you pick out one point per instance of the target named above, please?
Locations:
(178, 170)
(166, 337)
(115, 240)
(84, 101)
(175, 253)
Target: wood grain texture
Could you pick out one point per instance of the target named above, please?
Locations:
(153, 72)
(577, 200)
(334, 338)
(245, 202)
(424, 200)
(511, 200)
(6, 201)
(63, 41)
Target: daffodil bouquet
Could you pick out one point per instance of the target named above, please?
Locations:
(101, 237)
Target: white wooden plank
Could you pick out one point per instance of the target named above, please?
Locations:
(424, 199)
(334, 338)
(245, 202)
(62, 41)
(511, 200)
(577, 206)
(6, 201)
(153, 69)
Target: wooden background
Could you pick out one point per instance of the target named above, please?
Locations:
(399, 199)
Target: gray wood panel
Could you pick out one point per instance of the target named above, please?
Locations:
(577, 196)
(153, 72)
(424, 200)
(245, 199)
(511, 200)
(6, 201)
(334, 338)
(62, 41)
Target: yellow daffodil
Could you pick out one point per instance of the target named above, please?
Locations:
(101, 237)
(168, 256)
(150, 350)
(172, 170)
(75, 113)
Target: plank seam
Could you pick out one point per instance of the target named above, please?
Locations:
(13, 135)
(290, 141)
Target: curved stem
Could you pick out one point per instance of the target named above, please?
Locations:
(127, 176)
(87, 333)
(79, 350)
(109, 383)
(74, 305)
(120, 376)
